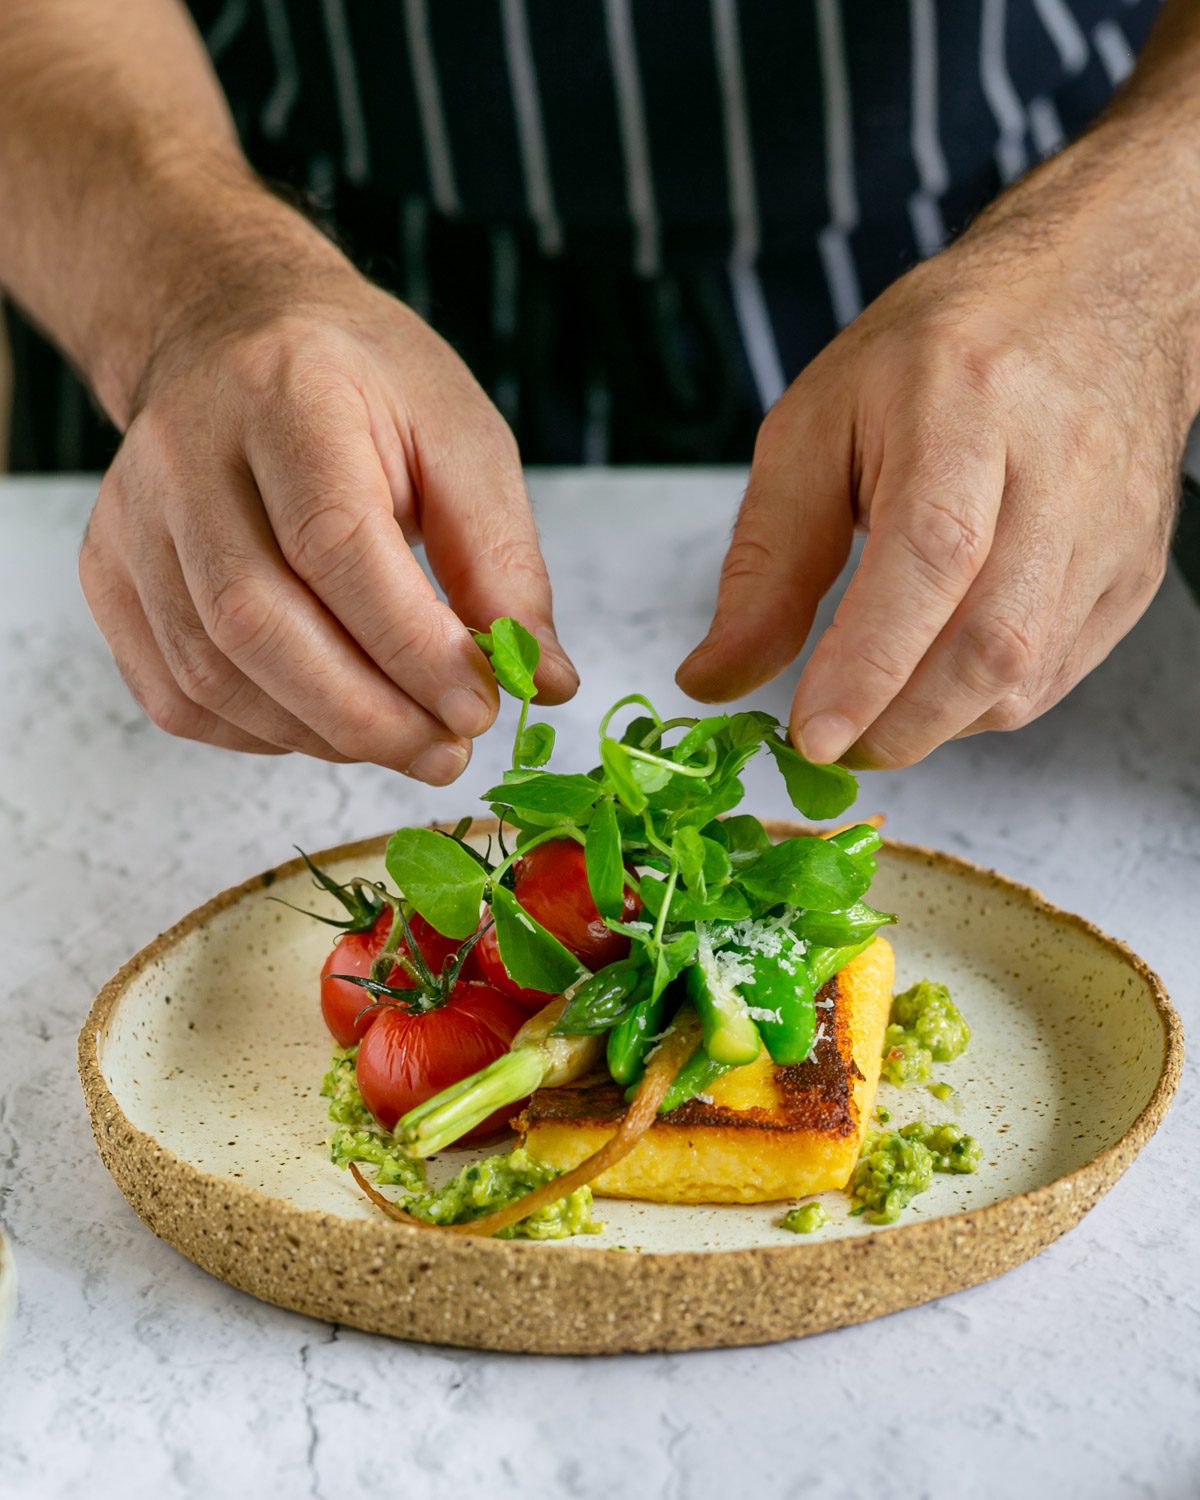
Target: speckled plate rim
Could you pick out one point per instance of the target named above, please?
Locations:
(524, 1297)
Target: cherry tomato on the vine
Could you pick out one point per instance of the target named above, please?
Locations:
(355, 952)
(408, 1056)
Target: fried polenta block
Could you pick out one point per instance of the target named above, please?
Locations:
(763, 1132)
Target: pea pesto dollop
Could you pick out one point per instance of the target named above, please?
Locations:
(358, 1136)
(926, 1027)
(896, 1165)
(479, 1188)
(805, 1219)
(484, 1186)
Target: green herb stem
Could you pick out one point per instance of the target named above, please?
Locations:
(450, 1115)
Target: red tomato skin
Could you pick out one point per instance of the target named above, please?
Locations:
(354, 953)
(407, 1057)
(550, 882)
(487, 950)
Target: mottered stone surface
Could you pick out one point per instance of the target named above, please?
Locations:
(129, 1371)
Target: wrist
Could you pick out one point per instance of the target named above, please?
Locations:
(1113, 220)
(215, 248)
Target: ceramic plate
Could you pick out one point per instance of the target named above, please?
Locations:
(202, 1058)
(8, 1289)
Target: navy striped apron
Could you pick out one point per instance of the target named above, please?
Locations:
(636, 220)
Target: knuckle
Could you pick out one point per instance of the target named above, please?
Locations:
(878, 655)
(1013, 711)
(749, 558)
(413, 637)
(327, 539)
(357, 736)
(985, 368)
(171, 712)
(947, 544)
(202, 674)
(998, 649)
(240, 616)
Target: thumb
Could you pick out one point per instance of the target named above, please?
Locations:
(483, 546)
(789, 543)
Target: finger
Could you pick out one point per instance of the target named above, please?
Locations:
(118, 614)
(266, 621)
(1114, 615)
(482, 544)
(324, 489)
(1021, 617)
(932, 518)
(202, 672)
(792, 536)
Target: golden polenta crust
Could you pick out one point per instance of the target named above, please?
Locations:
(764, 1132)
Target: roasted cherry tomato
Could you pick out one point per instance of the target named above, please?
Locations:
(491, 965)
(551, 884)
(354, 953)
(408, 1056)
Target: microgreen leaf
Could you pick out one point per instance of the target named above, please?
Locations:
(514, 655)
(816, 791)
(618, 768)
(805, 871)
(602, 856)
(703, 862)
(535, 745)
(441, 879)
(729, 905)
(563, 799)
(699, 735)
(744, 838)
(533, 957)
(638, 730)
(672, 958)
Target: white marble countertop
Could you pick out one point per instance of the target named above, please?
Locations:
(129, 1372)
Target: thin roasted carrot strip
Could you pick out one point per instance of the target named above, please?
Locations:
(666, 1060)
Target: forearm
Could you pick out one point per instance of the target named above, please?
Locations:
(1120, 208)
(124, 197)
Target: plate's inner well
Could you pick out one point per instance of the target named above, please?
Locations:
(217, 1049)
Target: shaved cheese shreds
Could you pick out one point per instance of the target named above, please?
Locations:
(765, 1013)
(753, 937)
(826, 1004)
(812, 1051)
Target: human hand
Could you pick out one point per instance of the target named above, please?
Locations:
(1007, 422)
(248, 558)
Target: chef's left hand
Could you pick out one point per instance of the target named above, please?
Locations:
(1007, 423)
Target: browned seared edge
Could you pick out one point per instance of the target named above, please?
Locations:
(815, 1095)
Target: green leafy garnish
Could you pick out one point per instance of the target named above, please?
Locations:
(441, 879)
(513, 653)
(534, 958)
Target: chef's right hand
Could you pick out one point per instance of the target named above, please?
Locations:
(249, 556)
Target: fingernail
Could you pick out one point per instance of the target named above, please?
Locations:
(465, 712)
(440, 763)
(825, 736)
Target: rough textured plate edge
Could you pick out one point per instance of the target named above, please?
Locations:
(489, 1294)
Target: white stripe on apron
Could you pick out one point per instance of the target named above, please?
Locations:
(635, 146)
(834, 242)
(924, 208)
(429, 103)
(282, 98)
(539, 193)
(750, 306)
(998, 90)
(355, 156)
